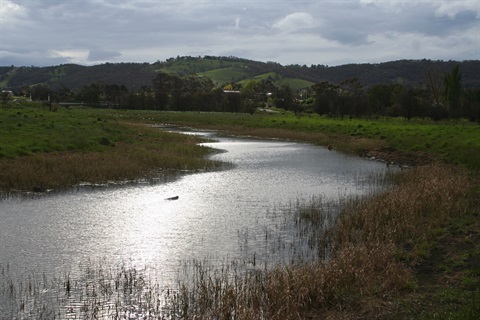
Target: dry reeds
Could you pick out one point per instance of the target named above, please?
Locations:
(363, 269)
(423, 200)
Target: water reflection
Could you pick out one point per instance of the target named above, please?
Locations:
(218, 214)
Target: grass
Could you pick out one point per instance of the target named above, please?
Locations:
(30, 131)
(99, 291)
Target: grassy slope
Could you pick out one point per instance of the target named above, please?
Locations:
(225, 75)
(193, 66)
(279, 81)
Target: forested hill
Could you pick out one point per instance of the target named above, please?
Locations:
(224, 70)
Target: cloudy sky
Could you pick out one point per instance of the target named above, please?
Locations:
(87, 32)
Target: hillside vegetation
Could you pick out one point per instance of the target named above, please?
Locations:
(224, 70)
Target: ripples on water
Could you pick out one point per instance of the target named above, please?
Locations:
(248, 213)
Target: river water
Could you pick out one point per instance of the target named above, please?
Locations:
(218, 215)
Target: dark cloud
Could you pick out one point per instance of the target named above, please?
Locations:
(304, 32)
(31, 60)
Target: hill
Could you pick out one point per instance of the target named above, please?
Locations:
(223, 70)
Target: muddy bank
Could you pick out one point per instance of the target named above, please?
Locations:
(409, 159)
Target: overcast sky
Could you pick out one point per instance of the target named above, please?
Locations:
(87, 32)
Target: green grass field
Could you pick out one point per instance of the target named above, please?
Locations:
(28, 131)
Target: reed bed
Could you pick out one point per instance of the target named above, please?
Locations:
(427, 198)
(372, 249)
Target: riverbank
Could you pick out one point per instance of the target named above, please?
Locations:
(411, 252)
(42, 151)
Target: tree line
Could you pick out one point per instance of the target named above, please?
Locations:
(439, 95)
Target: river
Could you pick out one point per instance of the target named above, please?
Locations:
(224, 214)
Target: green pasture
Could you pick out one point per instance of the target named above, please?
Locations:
(31, 130)
(278, 80)
(225, 75)
(218, 68)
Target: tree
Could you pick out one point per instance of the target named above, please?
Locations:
(163, 87)
(326, 97)
(435, 85)
(408, 103)
(90, 94)
(380, 98)
(286, 98)
(41, 92)
(471, 104)
(116, 95)
(453, 91)
(248, 89)
(354, 101)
